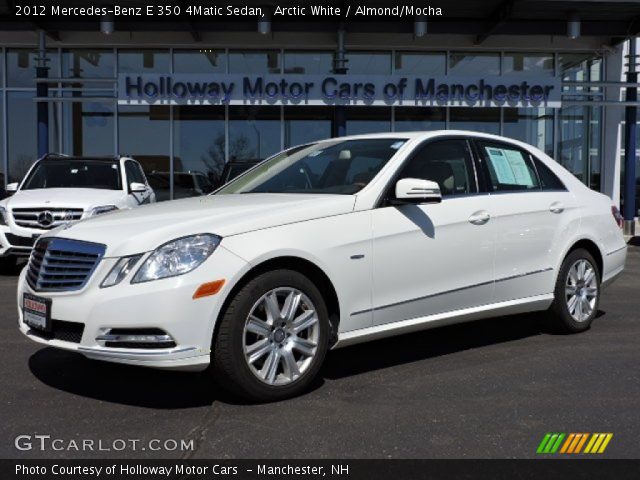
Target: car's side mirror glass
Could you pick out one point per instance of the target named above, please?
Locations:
(416, 190)
(136, 187)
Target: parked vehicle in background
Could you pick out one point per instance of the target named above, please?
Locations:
(60, 189)
(338, 242)
(185, 185)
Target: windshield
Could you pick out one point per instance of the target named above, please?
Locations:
(339, 166)
(75, 173)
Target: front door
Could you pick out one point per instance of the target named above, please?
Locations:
(434, 258)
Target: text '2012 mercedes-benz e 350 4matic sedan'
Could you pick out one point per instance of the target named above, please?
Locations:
(322, 246)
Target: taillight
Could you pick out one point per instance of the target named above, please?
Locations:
(616, 216)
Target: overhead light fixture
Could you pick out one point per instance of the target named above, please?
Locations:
(107, 25)
(264, 23)
(573, 26)
(420, 26)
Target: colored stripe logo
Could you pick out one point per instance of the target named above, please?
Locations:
(574, 443)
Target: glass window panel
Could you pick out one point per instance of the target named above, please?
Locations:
(22, 140)
(143, 133)
(369, 63)
(21, 66)
(144, 61)
(254, 62)
(580, 143)
(415, 63)
(88, 63)
(306, 124)
(474, 64)
(527, 64)
(361, 120)
(477, 119)
(308, 62)
(88, 128)
(198, 149)
(199, 61)
(531, 125)
(409, 119)
(580, 67)
(254, 132)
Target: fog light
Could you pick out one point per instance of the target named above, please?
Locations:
(136, 338)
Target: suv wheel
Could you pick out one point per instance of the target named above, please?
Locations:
(272, 338)
(577, 293)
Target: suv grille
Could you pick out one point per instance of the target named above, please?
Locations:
(60, 264)
(45, 218)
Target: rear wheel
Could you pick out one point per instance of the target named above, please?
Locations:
(577, 293)
(272, 338)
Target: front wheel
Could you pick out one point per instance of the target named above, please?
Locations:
(272, 338)
(577, 293)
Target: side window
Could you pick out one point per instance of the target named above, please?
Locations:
(510, 168)
(133, 172)
(548, 179)
(447, 162)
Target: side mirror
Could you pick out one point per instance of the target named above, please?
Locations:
(415, 190)
(12, 188)
(136, 187)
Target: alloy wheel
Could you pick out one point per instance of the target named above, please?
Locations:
(581, 290)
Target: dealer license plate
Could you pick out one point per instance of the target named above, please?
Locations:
(36, 311)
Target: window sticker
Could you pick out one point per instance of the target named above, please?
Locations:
(510, 166)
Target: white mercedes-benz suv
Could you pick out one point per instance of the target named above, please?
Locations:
(59, 189)
(322, 246)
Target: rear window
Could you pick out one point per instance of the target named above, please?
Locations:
(549, 180)
(510, 168)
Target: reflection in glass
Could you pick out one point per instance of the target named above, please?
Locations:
(199, 61)
(531, 125)
(21, 66)
(254, 62)
(579, 144)
(361, 120)
(369, 63)
(481, 64)
(308, 62)
(419, 119)
(88, 63)
(144, 61)
(527, 63)
(418, 63)
(88, 128)
(143, 132)
(485, 120)
(198, 149)
(306, 124)
(254, 132)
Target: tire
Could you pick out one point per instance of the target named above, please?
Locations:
(254, 359)
(585, 301)
(7, 265)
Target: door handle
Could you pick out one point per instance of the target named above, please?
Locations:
(556, 207)
(479, 218)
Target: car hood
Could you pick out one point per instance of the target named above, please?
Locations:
(84, 198)
(142, 229)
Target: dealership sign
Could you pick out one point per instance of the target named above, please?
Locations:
(390, 90)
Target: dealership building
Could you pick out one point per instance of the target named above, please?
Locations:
(186, 96)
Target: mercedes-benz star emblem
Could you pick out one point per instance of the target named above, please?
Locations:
(45, 219)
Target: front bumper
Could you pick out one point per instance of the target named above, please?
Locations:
(17, 241)
(165, 304)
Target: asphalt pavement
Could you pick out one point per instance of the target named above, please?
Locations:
(487, 389)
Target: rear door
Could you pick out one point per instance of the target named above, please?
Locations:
(534, 215)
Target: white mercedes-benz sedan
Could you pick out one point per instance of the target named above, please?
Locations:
(322, 246)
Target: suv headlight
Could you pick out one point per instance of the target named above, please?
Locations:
(3, 216)
(103, 209)
(177, 257)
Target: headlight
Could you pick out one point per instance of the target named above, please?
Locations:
(177, 257)
(103, 209)
(120, 270)
(3, 216)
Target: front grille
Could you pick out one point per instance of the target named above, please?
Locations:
(45, 218)
(60, 264)
(61, 330)
(18, 241)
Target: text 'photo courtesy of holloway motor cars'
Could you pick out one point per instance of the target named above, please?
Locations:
(322, 246)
